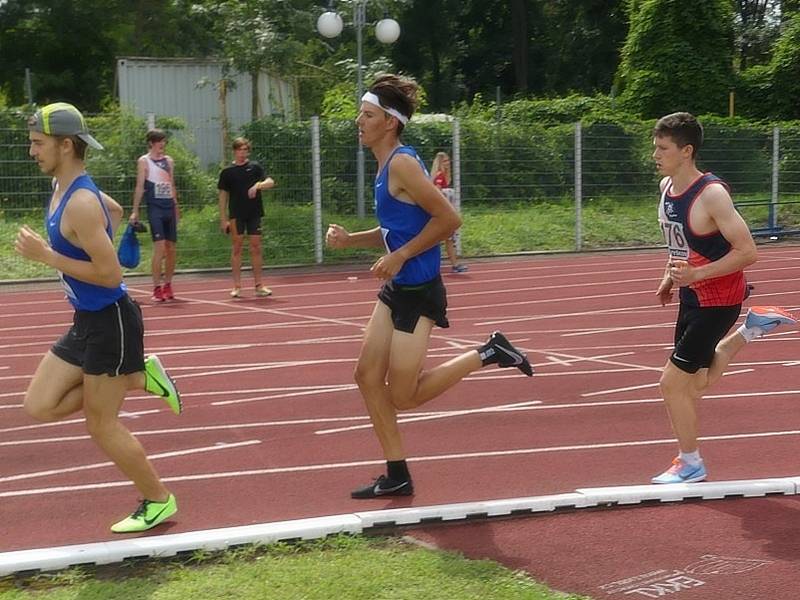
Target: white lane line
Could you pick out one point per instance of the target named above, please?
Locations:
(595, 312)
(551, 316)
(100, 465)
(440, 415)
(599, 359)
(73, 421)
(343, 388)
(416, 459)
(558, 361)
(319, 420)
(267, 366)
(649, 385)
(604, 330)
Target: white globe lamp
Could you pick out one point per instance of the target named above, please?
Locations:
(329, 24)
(387, 31)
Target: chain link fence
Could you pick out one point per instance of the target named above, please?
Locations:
(521, 188)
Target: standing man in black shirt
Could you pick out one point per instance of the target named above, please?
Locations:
(240, 212)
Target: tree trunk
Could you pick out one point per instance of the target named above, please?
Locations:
(255, 104)
(223, 117)
(519, 32)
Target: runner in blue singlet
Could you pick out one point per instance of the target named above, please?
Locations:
(414, 218)
(101, 357)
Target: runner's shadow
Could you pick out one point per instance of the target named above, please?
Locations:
(774, 521)
(475, 540)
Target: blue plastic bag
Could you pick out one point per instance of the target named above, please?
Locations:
(129, 252)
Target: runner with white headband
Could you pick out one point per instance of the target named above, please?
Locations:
(414, 218)
(373, 99)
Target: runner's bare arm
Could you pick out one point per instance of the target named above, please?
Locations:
(138, 191)
(224, 223)
(114, 211)
(409, 182)
(172, 178)
(174, 187)
(718, 204)
(338, 237)
(84, 225)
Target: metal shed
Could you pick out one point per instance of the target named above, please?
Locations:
(189, 88)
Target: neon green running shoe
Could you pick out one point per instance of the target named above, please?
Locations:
(157, 381)
(148, 515)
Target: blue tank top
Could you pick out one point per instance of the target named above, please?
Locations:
(401, 222)
(82, 295)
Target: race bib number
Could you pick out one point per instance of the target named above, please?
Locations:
(163, 189)
(676, 239)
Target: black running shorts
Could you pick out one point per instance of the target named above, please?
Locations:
(248, 225)
(697, 333)
(410, 302)
(105, 342)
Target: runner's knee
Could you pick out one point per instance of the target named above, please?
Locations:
(367, 376)
(38, 410)
(402, 399)
(669, 386)
(98, 427)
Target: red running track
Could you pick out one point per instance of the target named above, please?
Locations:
(274, 428)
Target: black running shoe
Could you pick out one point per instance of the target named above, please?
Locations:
(507, 355)
(383, 486)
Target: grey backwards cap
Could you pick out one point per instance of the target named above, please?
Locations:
(61, 118)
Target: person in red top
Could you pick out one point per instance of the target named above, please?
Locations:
(709, 246)
(440, 175)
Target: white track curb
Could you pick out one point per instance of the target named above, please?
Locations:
(100, 553)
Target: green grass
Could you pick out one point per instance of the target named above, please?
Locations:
(288, 239)
(341, 567)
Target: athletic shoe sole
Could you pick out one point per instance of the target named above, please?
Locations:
(768, 316)
(170, 394)
(141, 523)
(375, 490)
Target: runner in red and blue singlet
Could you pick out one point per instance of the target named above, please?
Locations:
(709, 246)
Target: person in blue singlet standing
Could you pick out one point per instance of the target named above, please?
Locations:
(101, 357)
(414, 218)
(155, 182)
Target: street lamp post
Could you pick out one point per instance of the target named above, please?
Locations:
(329, 24)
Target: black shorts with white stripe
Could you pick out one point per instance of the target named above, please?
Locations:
(697, 333)
(105, 342)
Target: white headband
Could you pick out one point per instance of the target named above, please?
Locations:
(373, 99)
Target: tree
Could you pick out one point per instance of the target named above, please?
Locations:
(678, 56)
(459, 48)
(784, 73)
(66, 46)
(757, 27)
(71, 47)
(257, 35)
(580, 44)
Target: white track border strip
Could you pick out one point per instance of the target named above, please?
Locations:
(100, 553)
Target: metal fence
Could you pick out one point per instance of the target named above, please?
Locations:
(572, 187)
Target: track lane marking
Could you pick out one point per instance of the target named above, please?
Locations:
(100, 465)
(416, 459)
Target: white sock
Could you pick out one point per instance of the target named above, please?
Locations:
(691, 458)
(750, 333)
